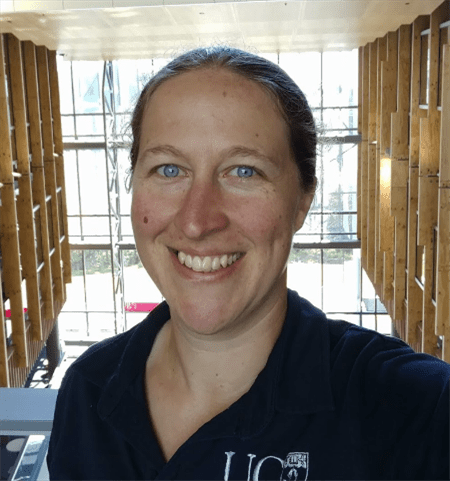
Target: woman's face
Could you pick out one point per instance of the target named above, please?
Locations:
(215, 177)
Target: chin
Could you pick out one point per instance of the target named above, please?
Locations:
(202, 319)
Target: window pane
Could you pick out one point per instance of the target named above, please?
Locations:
(101, 325)
(99, 287)
(87, 78)
(72, 325)
(68, 128)
(304, 274)
(341, 280)
(340, 78)
(71, 181)
(138, 286)
(304, 69)
(90, 125)
(93, 184)
(96, 226)
(65, 86)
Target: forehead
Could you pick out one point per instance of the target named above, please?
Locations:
(214, 82)
(217, 103)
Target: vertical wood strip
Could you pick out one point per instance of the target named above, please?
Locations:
(365, 156)
(59, 161)
(8, 215)
(4, 371)
(39, 195)
(372, 160)
(49, 168)
(27, 234)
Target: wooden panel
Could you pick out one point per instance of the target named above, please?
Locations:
(443, 247)
(59, 164)
(27, 232)
(50, 168)
(414, 293)
(8, 215)
(379, 256)
(365, 156)
(359, 173)
(420, 24)
(39, 194)
(4, 371)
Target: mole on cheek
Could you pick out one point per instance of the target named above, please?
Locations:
(145, 220)
(224, 94)
(257, 135)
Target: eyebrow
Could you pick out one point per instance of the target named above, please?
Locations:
(231, 152)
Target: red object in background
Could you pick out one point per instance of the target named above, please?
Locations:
(8, 312)
(140, 306)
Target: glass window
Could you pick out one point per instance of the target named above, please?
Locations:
(87, 82)
(93, 181)
(340, 78)
(341, 280)
(99, 286)
(304, 274)
(304, 68)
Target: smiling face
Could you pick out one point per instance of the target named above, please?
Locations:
(215, 178)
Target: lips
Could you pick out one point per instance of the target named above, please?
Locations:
(207, 263)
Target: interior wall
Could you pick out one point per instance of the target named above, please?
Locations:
(404, 177)
(34, 246)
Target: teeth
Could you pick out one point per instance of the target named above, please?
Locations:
(207, 264)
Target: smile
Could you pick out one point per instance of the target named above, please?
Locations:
(207, 263)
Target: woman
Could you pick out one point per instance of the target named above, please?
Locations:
(234, 376)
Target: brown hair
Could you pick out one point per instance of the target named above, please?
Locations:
(286, 93)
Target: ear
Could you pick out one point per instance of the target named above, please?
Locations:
(303, 207)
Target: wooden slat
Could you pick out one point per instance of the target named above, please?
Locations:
(372, 157)
(38, 174)
(365, 155)
(359, 173)
(27, 232)
(386, 220)
(8, 215)
(443, 252)
(59, 161)
(4, 371)
(379, 256)
(414, 293)
(49, 166)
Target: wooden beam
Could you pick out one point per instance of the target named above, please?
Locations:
(365, 155)
(27, 234)
(59, 165)
(37, 165)
(4, 371)
(8, 216)
(50, 170)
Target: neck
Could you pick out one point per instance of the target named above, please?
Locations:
(221, 368)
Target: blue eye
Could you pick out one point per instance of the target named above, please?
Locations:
(244, 171)
(168, 170)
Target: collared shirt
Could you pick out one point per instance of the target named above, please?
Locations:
(334, 401)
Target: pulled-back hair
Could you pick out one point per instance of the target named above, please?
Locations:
(274, 80)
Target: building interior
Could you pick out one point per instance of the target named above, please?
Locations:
(374, 250)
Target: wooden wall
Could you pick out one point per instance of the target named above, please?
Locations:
(404, 177)
(35, 255)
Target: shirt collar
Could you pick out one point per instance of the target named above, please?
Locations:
(296, 378)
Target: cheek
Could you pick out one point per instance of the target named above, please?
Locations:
(264, 220)
(147, 215)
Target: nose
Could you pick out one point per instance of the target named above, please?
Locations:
(202, 211)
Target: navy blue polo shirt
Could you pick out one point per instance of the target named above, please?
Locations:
(334, 401)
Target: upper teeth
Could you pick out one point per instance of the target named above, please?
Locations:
(207, 264)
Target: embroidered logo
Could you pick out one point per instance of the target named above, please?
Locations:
(295, 467)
